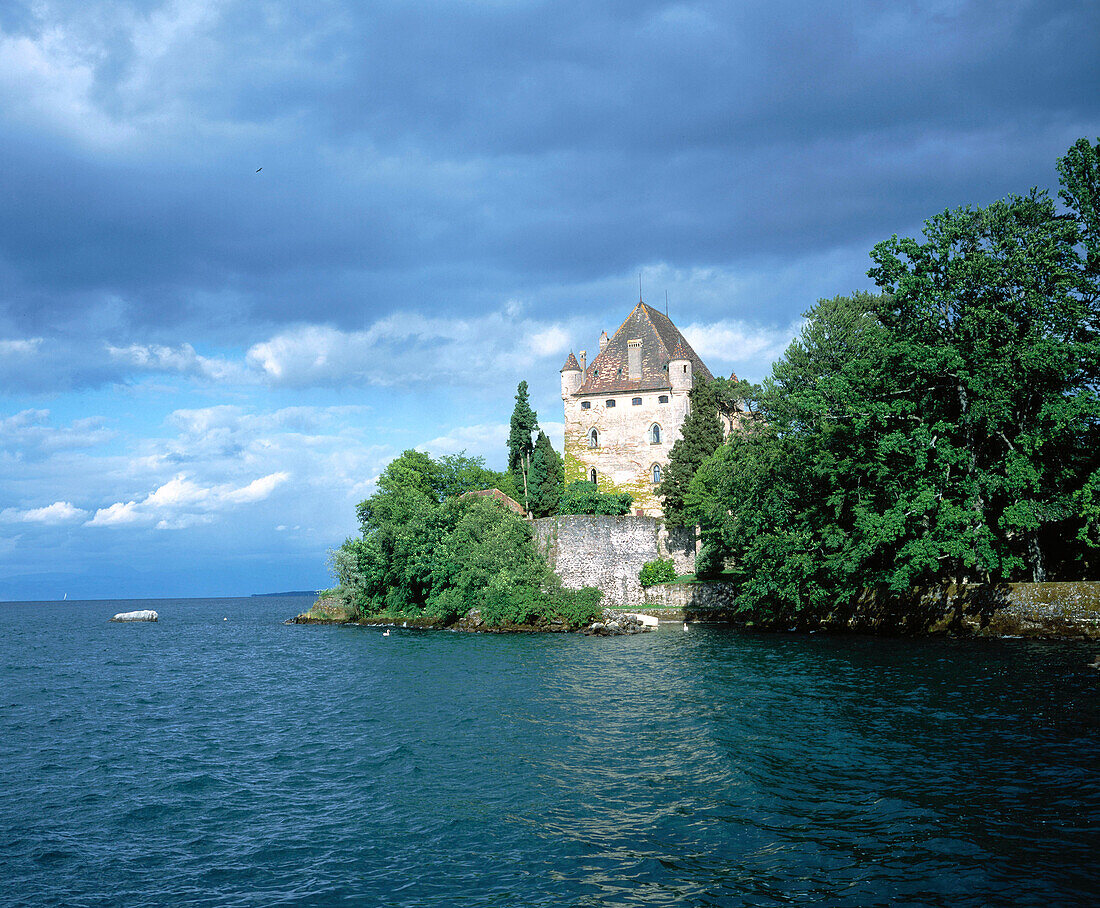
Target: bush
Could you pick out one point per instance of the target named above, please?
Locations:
(663, 570)
(584, 498)
(575, 607)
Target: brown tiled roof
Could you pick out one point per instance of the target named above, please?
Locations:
(571, 364)
(660, 339)
(499, 496)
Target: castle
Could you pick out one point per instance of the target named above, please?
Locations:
(624, 411)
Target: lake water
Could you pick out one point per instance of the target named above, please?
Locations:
(242, 762)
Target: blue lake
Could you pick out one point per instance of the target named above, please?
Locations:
(243, 762)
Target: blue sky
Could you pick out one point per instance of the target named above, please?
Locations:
(204, 367)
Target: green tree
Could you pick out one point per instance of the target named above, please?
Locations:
(459, 473)
(993, 322)
(946, 429)
(547, 477)
(520, 447)
(425, 550)
(700, 436)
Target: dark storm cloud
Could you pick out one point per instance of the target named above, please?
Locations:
(449, 155)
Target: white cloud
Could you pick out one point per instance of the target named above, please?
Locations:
(20, 347)
(51, 515)
(28, 433)
(181, 502)
(732, 340)
(182, 359)
(409, 349)
(549, 342)
(748, 348)
(478, 440)
(257, 490)
(117, 514)
(49, 82)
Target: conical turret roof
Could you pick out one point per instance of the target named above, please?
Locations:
(571, 364)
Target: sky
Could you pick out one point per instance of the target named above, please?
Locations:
(251, 251)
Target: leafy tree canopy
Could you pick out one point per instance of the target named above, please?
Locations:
(944, 429)
(424, 551)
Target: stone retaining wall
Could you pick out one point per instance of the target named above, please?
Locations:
(1015, 609)
(608, 552)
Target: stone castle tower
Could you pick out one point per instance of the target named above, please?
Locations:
(624, 411)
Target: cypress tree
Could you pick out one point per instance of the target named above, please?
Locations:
(547, 477)
(520, 447)
(700, 436)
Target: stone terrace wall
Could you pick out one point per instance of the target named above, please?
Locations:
(608, 552)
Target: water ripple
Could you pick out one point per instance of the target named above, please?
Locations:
(247, 763)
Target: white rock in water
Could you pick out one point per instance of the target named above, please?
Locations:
(647, 620)
(145, 615)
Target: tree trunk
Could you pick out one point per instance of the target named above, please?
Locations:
(523, 463)
(1035, 556)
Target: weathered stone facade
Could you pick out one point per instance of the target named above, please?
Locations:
(609, 552)
(624, 411)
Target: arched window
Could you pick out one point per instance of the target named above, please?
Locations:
(655, 434)
(636, 402)
(592, 476)
(593, 439)
(663, 399)
(609, 404)
(656, 472)
(586, 405)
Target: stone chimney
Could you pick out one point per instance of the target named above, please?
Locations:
(603, 341)
(584, 368)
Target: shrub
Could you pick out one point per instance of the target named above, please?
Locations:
(663, 570)
(584, 498)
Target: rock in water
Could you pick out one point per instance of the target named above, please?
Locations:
(144, 615)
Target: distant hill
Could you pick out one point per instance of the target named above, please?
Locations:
(287, 593)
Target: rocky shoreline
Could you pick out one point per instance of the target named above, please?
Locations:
(612, 623)
(1032, 610)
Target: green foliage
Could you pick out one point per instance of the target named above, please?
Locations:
(584, 498)
(947, 429)
(520, 447)
(546, 479)
(1080, 178)
(662, 570)
(576, 607)
(415, 472)
(425, 552)
(700, 436)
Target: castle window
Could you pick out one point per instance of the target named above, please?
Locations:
(656, 472)
(592, 476)
(586, 405)
(609, 404)
(593, 439)
(663, 399)
(655, 434)
(636, 402)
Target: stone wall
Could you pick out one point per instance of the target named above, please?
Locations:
(608, 552)
(1017, 609)
(691, 597)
